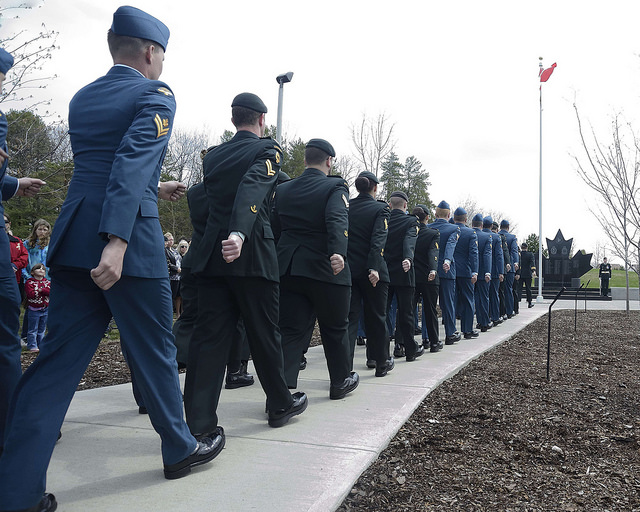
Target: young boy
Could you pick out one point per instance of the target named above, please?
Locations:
(37, 290)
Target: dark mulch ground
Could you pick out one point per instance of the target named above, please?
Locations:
(498, 436)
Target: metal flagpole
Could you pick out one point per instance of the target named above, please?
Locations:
(539, 298)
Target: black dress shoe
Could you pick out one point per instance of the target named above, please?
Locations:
(472, 334)
(303, 363)
(239, 379)
(450, 340)
(484, 328)
(142, 410)
(510, 316)
(530, 305)
(437, 347)
(282, 416)
(385, 368)
(360, 341)
(398, 351)
(371, 363)
(209, 447)
(419, 351)
(347, 386)
(48, 503)
(497, 322)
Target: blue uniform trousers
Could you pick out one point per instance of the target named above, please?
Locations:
(9, 323)
(482, 302)
(448, 305)
(494, 299)
(464, 292)
(509, 278)
(79, 313)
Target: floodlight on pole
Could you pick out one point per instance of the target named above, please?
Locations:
(285, 78)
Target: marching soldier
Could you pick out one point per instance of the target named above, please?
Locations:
(466, 258)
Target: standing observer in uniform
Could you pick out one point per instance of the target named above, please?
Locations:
(119, 128)
(605, 274)
(368, 229)
(311, 215)
(527, 271)
(237, 270)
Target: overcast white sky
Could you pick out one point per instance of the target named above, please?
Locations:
(458, 79)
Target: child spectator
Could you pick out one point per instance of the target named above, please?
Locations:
(37, 290)
(38, 245)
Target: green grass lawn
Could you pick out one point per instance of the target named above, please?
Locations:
(617, 280)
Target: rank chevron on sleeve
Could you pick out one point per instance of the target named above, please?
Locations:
(162, 125)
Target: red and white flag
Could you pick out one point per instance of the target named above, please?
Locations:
(546, 73)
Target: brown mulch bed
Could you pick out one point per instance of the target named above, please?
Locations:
(498, 436)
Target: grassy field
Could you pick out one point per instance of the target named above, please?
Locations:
(617, 280)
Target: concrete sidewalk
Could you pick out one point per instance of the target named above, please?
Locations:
(109, 456)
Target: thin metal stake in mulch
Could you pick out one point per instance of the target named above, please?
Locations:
(549, 332)
(575, 309)
(585, 295)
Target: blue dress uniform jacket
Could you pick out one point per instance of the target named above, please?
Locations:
(449, 234)
(119, 127)
(466, 252)
(9, 297)
(511, 243)
(485, 255)
(497, 268)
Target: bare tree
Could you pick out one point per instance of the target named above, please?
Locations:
(472, 206)
(612, 170)
(373, 140)
(348, 168)
(183, 161)
(599, 252)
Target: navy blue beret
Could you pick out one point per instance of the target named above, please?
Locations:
(504, 223)
(369, 175)
(132, 22)
(478, 217)
(460, 211)
(6, 61)
(487, 221)
(399, 193)
(444, 205)
(322, 145)
(250, 101)
(451, 221)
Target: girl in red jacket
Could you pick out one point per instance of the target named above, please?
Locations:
(37, 290)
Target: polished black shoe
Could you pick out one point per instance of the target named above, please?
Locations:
(478, 326)
(530, 305)
(398, 351)
(419, 351)
(510, 316)
(238, 379)
(371, 363)
(385, 368)
(142, 410)
(303, 363)
(48, 503)
(209, 447)
(484, 328)
(361, 341)
(450, 340)
(436, 347)
(281, 417)
(497, 322)
(347, 386)
(472, 334)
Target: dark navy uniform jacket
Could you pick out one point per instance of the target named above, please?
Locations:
(114, 188)
(239, 178)
(485, 253)
(368, 229)
(466, 252)
(198, 213)
(401, 245)
(449, 234)
(426, 257)
(527, 264)
(512, 247)
(497, 263)
(312, 217)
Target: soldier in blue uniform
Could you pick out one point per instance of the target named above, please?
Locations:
(466, 260)
(449, 234)
(482, 285)
(119, 127)
(497, 271)
(512, 247)
(9, 295)
(311, 215)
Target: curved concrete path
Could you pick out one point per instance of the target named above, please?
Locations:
(109, 456)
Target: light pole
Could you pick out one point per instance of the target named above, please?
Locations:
(281, 79)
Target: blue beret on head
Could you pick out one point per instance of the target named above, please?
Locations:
(6, 61)
(478, 218)
(460, 211)
(399, 193)
(322, 145)
(487, 221)
(444, 205)
(504, 223)
(369, 175)
(132, 22)
(250, 101)
(451, 221)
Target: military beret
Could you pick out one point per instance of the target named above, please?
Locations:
(460, 211)
(494, 224)
(424, 207)
(478, 218)
(399, 193)
(132, 22)
(250, 101)
(369, 175)
(487, 221)
(6, 61)
(444, 205)
(504, 223)
(322, 145)
(451, 221)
